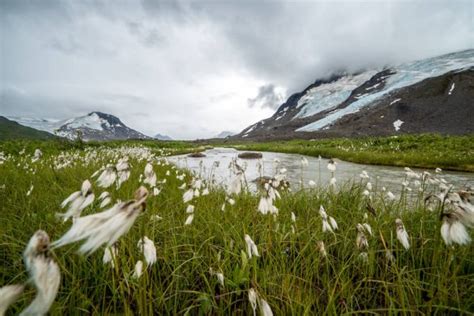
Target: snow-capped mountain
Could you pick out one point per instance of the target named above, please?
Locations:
(162, 137)
(93, 126)
(344, 103)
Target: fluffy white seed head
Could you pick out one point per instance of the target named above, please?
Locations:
(402, 234)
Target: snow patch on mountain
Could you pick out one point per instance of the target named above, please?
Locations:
(405, 75)
(327, 96)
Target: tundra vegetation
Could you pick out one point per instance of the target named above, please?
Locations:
(117, 229)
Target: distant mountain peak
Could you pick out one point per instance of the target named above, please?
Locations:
(93, 126)
(162, 137)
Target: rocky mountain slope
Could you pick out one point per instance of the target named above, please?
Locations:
(430, 95)
(93, 126)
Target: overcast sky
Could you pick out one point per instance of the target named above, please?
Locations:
(191, 69)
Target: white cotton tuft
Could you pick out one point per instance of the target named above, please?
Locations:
(148, 248)
(137, 273)
(110, 255)
(78, 201)
(107, 177)
(188, 195)
(8, 295)
(105, 227)
(253, 299)
(189, 220)
(44, 273)
(402, 234)
(252, 249)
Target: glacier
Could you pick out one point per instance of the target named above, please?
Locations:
(406, 74)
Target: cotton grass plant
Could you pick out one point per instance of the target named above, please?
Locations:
(281, 263)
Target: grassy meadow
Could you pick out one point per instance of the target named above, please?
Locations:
(292, 273)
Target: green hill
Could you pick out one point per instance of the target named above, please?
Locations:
(12, 130)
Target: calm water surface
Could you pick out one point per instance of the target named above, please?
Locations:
(389, 177)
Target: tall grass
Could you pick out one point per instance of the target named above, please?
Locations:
(291, 274)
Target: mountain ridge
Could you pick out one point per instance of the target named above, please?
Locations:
(316, 111)
(95, 125)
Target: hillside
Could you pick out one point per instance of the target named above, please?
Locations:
(12, 130)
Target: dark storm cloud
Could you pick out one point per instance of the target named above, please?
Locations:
(267, 96)
(185, 63)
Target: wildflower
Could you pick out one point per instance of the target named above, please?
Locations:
(311, 183)
(367, 228)
(333, 222)
(235, 186)
(332, 182)
(220, 278)
(322, 249)
(78, 201)
(105, 227)
(253, 300)
(150, 176)
(188, 195)
(156, 191)
(332, 165)
(107, 177)
(438, 170)
(361, 239)
(137, 273)
(205, 192)
(8, 295)
(149, 250)
(391, 196)
(44, 273)
(293, 217)
(190, 209)
(110, 253)
(402, 234)
(251, 247)
(265, 205)
(265, 308)
(37, 155)
(105, 198)
(123, 171)
(453, 230)
(324, 216)
(369, 186)
(189, 220)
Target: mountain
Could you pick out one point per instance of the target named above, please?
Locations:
(12, 130)
(93, 126)
(430, 95)
(162, 137)
(225, 134)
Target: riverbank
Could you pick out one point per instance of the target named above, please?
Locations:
(422, 151)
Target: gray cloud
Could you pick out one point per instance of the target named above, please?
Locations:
(267, 96)
(174, 66)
